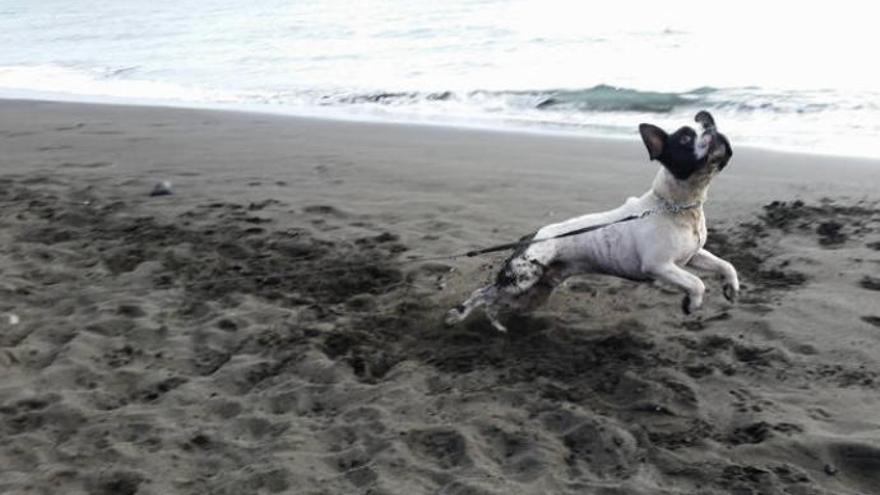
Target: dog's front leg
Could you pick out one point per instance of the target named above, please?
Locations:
(704, 260)
(690, 283)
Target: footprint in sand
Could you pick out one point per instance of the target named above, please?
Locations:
(55, 148)
(443, 446)
(86, 165)
(105, 133)
(116, 482)
(872, 319)
(78, 125)
(870, 283)
(10, 134)
(326, 210)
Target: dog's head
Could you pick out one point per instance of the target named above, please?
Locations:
(685, 152)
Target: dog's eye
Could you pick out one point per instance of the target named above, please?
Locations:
(685, 139)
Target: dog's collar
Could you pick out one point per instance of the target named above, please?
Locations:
(678, 208)
(666, 205)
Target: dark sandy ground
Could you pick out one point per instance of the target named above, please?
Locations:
(250, 340)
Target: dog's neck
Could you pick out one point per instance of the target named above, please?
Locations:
(680, 192)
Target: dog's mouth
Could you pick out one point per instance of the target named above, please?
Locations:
(708, 139)
(703, 144)
(712, 142)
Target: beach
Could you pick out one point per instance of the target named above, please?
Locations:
(268, 328)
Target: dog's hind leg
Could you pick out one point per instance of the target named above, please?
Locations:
(480, 297)
(679, 277)
(521, 299)
(538, 293)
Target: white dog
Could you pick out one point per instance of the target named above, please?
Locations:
(652, 237)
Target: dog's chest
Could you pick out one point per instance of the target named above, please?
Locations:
(695, 237)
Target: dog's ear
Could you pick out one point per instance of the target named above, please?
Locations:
(654, 138)
(729, 149)
(728, 152)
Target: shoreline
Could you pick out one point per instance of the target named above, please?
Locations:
(261, 331)
(374, 118)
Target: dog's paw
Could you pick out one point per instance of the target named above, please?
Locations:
(689, 306)
(492, 315)
(498, 325)
(730, 293)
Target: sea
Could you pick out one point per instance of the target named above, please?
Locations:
(798, 76)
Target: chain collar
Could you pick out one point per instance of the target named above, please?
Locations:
(666, 205)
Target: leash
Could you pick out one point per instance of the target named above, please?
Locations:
(664, 206)
(514, 245)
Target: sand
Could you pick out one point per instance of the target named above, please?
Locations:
(264, 330)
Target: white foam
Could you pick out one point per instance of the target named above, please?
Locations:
(49, 79)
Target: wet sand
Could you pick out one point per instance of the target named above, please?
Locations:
(265, 330)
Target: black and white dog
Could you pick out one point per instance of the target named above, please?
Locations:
(651, 237)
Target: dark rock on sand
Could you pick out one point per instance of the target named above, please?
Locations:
(870, 283)
(162, 188)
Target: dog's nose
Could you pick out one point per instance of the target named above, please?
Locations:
(705, 119)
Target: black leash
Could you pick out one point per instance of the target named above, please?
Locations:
(514, 245)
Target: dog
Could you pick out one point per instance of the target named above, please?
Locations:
(651, 237)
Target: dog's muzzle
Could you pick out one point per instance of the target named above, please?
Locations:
(710, 132)
(705, 119)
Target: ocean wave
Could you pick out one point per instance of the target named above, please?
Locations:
(122, 82)
(605, 98)
(601, 98)
(787, 119)
(611, 99)
(108, 82)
